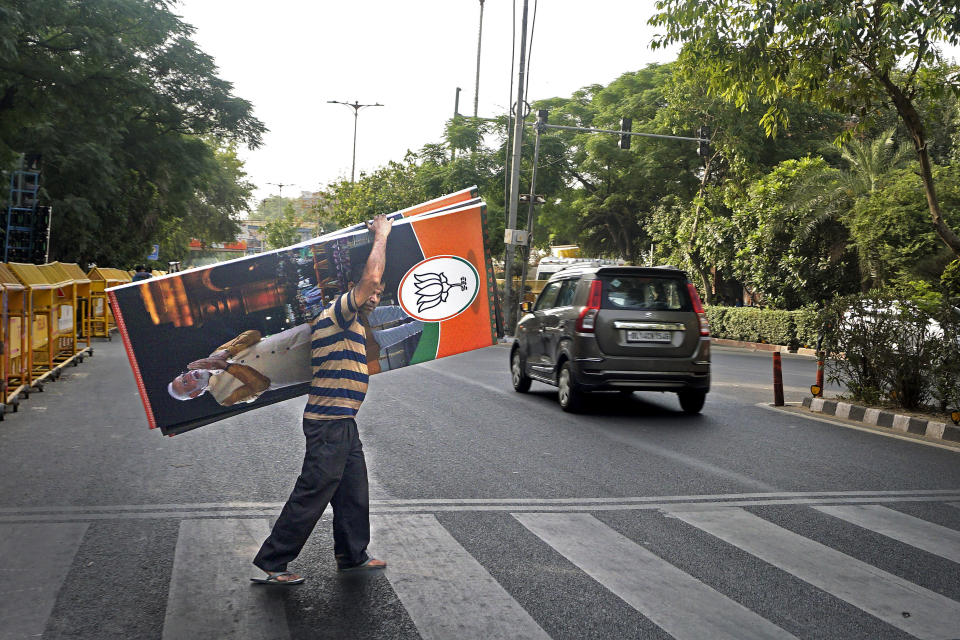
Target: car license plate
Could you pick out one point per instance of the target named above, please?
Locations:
(649, 336)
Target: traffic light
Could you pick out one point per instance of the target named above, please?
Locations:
(626, 124)
(703, 146)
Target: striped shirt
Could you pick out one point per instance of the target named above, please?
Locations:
(338, 359)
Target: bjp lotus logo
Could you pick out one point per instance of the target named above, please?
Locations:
(438, 288)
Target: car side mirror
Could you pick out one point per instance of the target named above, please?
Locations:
(526, 307)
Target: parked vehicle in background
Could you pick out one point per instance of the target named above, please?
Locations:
(552, 264)
(608, 327)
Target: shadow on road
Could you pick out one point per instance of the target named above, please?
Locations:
(616, 404)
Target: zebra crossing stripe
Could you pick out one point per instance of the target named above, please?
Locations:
(894, 524)
(36, 559)
(678, 603)
(445, 590)
(210, 593)
(881, 594)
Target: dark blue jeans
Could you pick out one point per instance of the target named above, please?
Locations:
(334, 472)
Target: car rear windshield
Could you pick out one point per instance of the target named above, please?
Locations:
(645, 292)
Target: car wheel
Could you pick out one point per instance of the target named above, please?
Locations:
(692, 401)
(521, 381)
(570, 396)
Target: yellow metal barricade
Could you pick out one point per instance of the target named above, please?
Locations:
(42, 346)
(17, 313)
(64, 313)
(101, 318)
(84, 308)
(533, 288)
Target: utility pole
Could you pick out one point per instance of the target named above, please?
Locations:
(456, 114)
(476, 91)
(509, 313)
(532, 200)
(356, 106)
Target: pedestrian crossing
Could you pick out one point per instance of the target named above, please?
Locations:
(446, 592)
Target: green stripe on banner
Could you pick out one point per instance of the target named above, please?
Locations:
(429, 341)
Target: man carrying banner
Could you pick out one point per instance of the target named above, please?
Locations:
(334, 470)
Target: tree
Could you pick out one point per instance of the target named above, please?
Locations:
(777, 255)
(271, 207)
(282, 231)
(131, 120)
(851, 56)
(891, 232)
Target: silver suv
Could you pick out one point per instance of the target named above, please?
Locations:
(615, 328)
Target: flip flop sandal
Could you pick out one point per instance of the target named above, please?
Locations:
(365, 566)
(274, 579)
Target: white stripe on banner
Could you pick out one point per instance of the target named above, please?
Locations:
(211, 595)
(884, 595)
(34, 561)
(918, 533)
(446, 592)
(678, 603)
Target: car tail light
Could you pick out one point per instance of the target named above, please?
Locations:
(698, 309)
(586, 323)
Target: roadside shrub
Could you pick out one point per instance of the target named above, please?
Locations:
(743, 323)
(807, 323)
(889, 349)
(751, 324)
(716, 317)
(945, 375)
(776, 327)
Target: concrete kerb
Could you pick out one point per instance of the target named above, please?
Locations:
(884, 419)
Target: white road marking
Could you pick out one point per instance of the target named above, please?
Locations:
(416, 506)
(211, 595)
(446, 592)
(918, 533)
(678, 603)
(468, 501)
(929, 615)
(35, 562)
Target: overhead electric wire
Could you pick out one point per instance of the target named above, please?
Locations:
(506, 149)
(533, 26)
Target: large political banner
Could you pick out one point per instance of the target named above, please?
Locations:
(439, 300)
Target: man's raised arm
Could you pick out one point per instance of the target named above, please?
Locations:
(373, 271)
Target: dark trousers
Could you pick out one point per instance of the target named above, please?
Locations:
(334, 472)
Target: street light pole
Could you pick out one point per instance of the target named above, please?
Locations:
(280, 185)
(509, 313)
(356, 106)
(531, 218)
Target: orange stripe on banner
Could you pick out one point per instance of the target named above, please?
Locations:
(460, 234)
(445, 201)
(122, 328)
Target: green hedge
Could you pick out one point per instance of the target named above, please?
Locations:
(749, 324)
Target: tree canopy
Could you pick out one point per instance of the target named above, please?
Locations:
(137, 132)
(856, 58)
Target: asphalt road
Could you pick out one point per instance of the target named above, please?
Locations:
(500, 515)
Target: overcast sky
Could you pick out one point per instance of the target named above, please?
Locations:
(288, 57)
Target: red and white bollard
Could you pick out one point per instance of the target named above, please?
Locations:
(819, 385)
(777, 380)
